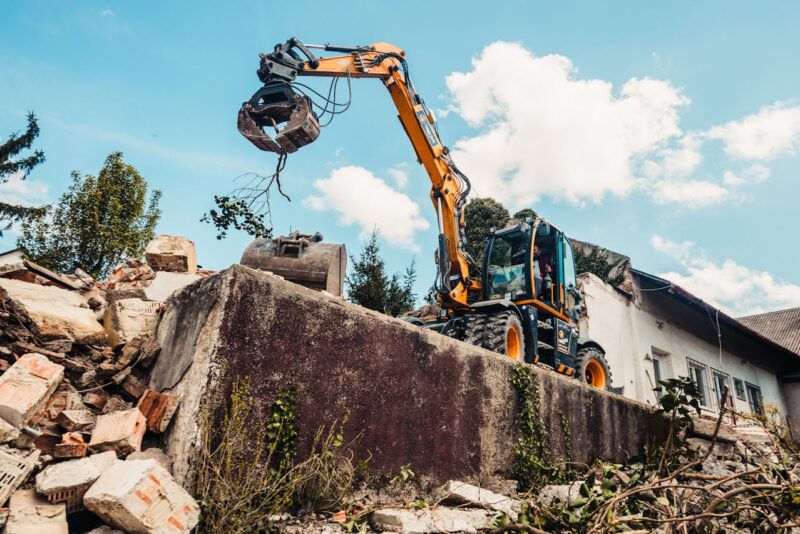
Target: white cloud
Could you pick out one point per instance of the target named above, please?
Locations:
(772, 132)
(689, 193)
(23, 192)
(544, 131)
(107, 13)
(734, 288)
(361, 198)
(399, 174)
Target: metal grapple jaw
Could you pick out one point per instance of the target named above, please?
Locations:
(274, 105)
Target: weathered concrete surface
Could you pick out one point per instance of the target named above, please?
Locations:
(54, 312)
(415, 397)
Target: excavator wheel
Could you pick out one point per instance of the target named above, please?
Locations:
(498, 332)
(591, 367)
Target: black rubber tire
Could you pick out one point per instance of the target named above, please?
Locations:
(475, 329)
(589, 357)
(497, 330)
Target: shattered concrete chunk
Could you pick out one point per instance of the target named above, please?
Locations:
(128, 318)
(158, 408)
(14, 470)
(54, 312)
(464, 493)
(32, 514)
(105, 529)
(172, 253)
(139, 496)
(437, 519)
(153, 453)
(8, 432)
(166, 283)
(67, 482)
(26, 387)
(565, 493)
(119, 431)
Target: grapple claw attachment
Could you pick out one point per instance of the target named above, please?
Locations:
(271, 106)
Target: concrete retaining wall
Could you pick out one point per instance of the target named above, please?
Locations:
(445, 407)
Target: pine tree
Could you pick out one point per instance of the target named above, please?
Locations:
(11, 213)
(100, 221)
(368, 284)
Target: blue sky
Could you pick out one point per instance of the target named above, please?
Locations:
(666, 131)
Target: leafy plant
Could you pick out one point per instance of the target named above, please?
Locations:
(100, 221)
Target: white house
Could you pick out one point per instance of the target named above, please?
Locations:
(656, 330)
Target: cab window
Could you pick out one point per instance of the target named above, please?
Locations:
(570, 279)
(506, 266)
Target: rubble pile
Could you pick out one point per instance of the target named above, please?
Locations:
(75, 411)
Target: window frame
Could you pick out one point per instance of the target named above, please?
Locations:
(756, 408)
(718, 394)
(703, 368)
(738, 386)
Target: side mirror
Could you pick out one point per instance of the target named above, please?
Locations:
(544, 229)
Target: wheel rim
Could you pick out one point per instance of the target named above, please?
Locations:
(513, 344)
(595, 374)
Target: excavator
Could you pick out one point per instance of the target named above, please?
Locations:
(522, 302)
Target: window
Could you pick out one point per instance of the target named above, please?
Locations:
(569, 265)
(657, 376)
(754, 399)
(507, 265)
(698, 372)
(720, 382)
(739, 385)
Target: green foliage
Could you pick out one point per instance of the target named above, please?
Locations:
(281, 433)
(99, 222)
(534, 465)
(481, 215)
(236, 213)
(369, 286)
(16, 143)
(597, 263)
(525, 213)
(677, 398)
(404, 475)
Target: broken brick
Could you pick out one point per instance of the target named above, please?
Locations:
(26, 387)
(63, 400)
(73, 420)
(132, 388)
(72, 446)
(140, 496)
(119, 431)
(172, 253)
(126, 319)
(68, 481)
(158, 408)
(14, 470)
(96, 399)
(24, 348)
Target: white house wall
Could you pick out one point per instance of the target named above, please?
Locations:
(629, 334)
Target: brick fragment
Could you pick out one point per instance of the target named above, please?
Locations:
(116, 404)
(119, 431)
(140, 496)
(74, 420)
(96, 399)
(172, 253)
(158, 408)
(63, 400)
(67, 482)
(14, 470)
(26, 387)
(72, 446)
(132, 388)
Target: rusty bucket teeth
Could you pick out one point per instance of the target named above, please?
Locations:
(272, 106)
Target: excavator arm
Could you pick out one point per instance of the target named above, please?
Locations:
(277, 102)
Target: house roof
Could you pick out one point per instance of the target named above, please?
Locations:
(782, 326)
(789, 357)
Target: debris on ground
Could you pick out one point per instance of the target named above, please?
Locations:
(74, 404)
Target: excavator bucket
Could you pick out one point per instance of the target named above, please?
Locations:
(270, 107)
(302, 259)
